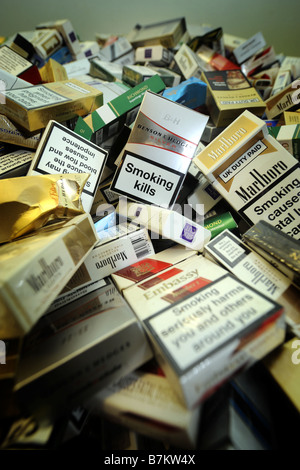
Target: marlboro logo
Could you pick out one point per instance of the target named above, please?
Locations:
(111, 260)
(48, 270)
(228, 140)
(226, 143)
(262, 179)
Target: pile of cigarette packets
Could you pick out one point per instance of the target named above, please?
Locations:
(149, 244)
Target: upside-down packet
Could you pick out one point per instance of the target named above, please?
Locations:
(28, 203)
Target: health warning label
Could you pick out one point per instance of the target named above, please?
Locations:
(146, 181)
(62, 152)
(37, 96)
(280, 205)
(220, 312)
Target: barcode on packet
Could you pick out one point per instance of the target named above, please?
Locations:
(140, 245)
